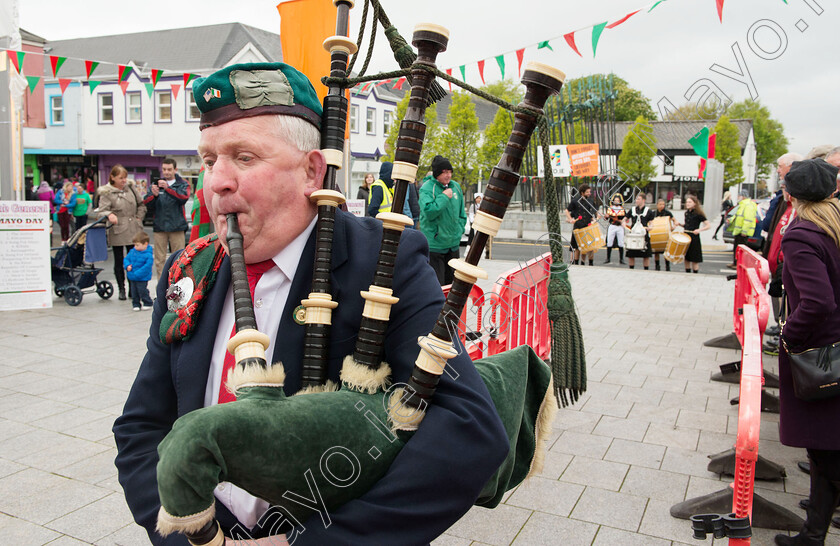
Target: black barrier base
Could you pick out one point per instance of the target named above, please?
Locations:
(731, 373)
(769, 402)
(729, 341)
(765, 469)
(765, 514)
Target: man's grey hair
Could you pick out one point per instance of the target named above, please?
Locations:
(298, 132)
(789, 158)
(820, 151)
(833, 152)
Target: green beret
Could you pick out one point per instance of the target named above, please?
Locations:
(255, 89)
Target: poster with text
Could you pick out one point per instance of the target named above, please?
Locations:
(571, 160)
(24, 255)
(356, 207)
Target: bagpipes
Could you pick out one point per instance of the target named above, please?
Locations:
(244, 442)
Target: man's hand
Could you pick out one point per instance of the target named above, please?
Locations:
(448, 192)
(162, 184)
(155, 190)
(112, 218)
(128, 268)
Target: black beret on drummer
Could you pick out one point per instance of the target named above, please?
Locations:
(811, 180)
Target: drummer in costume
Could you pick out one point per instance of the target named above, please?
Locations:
(581, 212)
(615, 232)
(695, 222)
(260, 143)
(640, 213)
(662, 212)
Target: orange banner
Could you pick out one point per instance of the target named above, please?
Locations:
(584, 159)
(304, 25)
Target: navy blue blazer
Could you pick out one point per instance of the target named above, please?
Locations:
(437, 476)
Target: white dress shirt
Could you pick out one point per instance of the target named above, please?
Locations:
(270, 297)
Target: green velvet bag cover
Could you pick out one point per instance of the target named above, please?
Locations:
(519, 382)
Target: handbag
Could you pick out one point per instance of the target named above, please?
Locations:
(816, 372)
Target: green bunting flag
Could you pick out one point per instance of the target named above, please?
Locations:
(93, 85)
(188, 78)
(156, 76)
(124, 72)
(150, 88)
(90, 66)
(33, 83)
(545, 44)
(55, 63)
(596, 35)
(700, 143)
(500, 59)
(16, 57)
(654, 6)
(463, 69)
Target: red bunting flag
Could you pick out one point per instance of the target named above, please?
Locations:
(124, 72)
(16, 57)
(570, 39)
(383, 82)
(175, 88)
(449, 73)
(63, 83)
(156, 75)
(520, 53)
(720, 9)
(123, 86)
(629, 15)
(55, 63)
(188, 78)
(481, 71)
(712, 142)
(90, 66)
(399, 83)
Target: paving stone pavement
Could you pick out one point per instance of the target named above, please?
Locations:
(632, 446)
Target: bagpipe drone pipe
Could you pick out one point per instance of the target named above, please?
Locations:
(268, 443)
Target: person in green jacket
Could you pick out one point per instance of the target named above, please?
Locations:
(442, 218)
(83, 204)
(743, 222)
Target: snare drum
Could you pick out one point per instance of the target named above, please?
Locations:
(635, 241)
(677, 246)
(659, 232)
(590, 238)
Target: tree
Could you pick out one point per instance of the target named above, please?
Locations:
(629, 103)
(728, 152)
(430, 145)
(635, 164)
(770, 139)
(459, 139)
(497, 132)
(692, 111)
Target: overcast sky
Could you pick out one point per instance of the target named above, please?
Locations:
(662, 53)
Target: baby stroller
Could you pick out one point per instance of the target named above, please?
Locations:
(72, 266)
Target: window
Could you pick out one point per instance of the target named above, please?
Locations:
(354, 118)
(57, 110)
(371, 121)
(106, 108)
(386, 123)
(193, 113)
(133, 107)
(163, 106)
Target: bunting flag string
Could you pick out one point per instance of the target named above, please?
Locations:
(623, 19)
(55, 63)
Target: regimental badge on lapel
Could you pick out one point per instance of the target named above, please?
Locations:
(179, 294)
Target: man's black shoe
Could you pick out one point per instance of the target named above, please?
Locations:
(804, 466)
(122, 294)
(772, 330)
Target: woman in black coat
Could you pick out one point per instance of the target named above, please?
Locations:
(811, 277)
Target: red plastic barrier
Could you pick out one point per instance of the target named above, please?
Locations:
(475, 348)
(750, 314)
(519, 308)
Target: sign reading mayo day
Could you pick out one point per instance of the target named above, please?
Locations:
(356, 207)
(24, 255)
(570, 160)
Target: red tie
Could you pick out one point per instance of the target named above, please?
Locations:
(255, 271)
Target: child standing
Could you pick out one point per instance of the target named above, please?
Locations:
(138, 265)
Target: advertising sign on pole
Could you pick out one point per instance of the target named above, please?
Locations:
(24, 255)
(571, 160)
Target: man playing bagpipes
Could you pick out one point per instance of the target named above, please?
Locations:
(260, 145)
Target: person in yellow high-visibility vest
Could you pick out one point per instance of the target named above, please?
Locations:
(743, 223)
(381, 194)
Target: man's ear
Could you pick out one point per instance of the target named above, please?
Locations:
(316, 167)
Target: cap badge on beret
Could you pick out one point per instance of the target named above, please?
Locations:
(254, 88)
(212, 93)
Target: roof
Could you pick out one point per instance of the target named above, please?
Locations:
(27, 36)
(200, 50)
(485, 110)
(674, 135)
